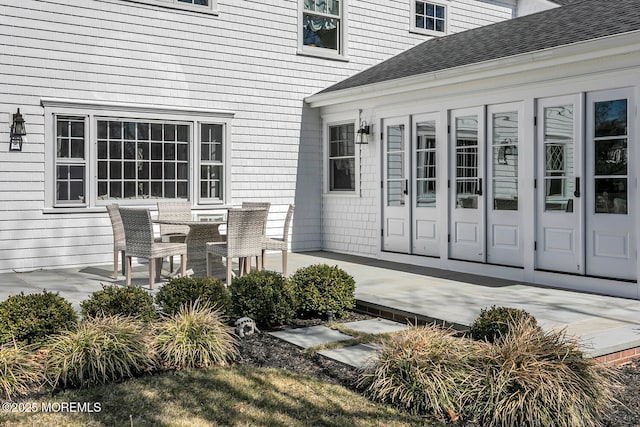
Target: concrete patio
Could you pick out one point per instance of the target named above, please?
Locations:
(608, 327)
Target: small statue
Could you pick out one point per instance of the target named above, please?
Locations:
(245, 326)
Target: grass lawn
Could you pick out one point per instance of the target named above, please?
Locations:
(229, 396)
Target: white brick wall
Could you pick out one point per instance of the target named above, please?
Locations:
(243, 60)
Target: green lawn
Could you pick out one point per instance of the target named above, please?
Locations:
(229, 396)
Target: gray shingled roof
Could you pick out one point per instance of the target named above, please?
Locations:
(576, 22)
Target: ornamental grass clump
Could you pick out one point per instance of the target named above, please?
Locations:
(20, 371)
(101, 349)
(538, 378)
(196, 336)
(426, 370)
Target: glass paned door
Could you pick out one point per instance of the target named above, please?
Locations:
(396, 204)
(610, 227)
(467, 201)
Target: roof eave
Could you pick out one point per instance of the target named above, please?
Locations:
(560, 55)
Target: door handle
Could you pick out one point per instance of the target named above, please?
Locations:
(479, 189)
(405, 186)
(576, 192)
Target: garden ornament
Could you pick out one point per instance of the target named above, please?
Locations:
(245, 326)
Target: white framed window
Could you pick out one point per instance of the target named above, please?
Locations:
(203, 6)
(341, 158)
(133, 155)
(322, 28)
(429, 17)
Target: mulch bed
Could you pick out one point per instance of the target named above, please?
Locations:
(265, 350)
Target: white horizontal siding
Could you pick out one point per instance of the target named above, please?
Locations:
(242, 60)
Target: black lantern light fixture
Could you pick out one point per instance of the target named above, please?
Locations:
(17, 132)
(364, 130)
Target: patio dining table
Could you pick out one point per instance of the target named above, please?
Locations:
(201, 231)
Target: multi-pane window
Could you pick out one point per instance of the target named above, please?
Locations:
(559, 172)
(196, 2)
(505, 161)
(207, 6)
(429, 17)
(426, 164)
(70, 163)
(467, 180)
(211, 161)
(342, 160)
(142, 159)
(322, 24)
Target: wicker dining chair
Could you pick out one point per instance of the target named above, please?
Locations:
(138, 230)
(258, 205)
(244, 240)
(119, 245)
(281, 244)
(178, 210)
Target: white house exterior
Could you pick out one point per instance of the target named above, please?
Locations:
(509, 150)
(133, 101)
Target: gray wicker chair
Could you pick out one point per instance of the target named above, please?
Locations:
(119, 245)
(258, 205)
(244, 240)
(140, 243)
(179, 210)
(281, 244)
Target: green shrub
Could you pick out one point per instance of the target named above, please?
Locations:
(195, 336)
(494, 322)
(31, 318)
(537, 378)
(184, 290)
(20, 372)
(425, 370)
(99, 350)
(264, 296)
(321, 288)
(115, 300)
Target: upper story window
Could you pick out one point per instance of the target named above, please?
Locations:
(429, 18)
(206, 6)
(322, 28)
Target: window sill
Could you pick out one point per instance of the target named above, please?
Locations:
(429, 33)
(322, 53)
(181, 7)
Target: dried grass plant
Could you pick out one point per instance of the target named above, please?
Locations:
(20, 371)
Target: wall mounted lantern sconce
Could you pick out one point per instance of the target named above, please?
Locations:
(17, 132)
(363, 133)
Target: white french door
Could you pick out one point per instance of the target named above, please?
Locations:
(610, 224)
(559, 235)
(467, 199)
(584, 187)
(504, 201)
(396, 229)
(424, 197)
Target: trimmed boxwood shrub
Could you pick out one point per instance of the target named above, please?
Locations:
(31, 318)
(494, 322)
(321, 288)
(181, 291)
(115, 300)
(264, 296)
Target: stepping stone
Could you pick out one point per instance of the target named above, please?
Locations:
(311, 336)
(357, 355)
(376, 326)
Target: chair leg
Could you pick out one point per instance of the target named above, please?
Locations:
(183, 265)
(284, 263)
(208, 260)
(158, 268)
(171, 264)
(229, 271)
(124, 264)
(152, 272)
(115, 264)
(128, 273)
(264, 259)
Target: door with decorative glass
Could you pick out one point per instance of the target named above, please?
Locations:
(467, 200)
(504, 206)
(424, 208)
(396, 227)
(559, 237)
(609, 219)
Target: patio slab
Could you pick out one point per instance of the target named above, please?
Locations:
(356, 355)
(311, 336)
(376, 326)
